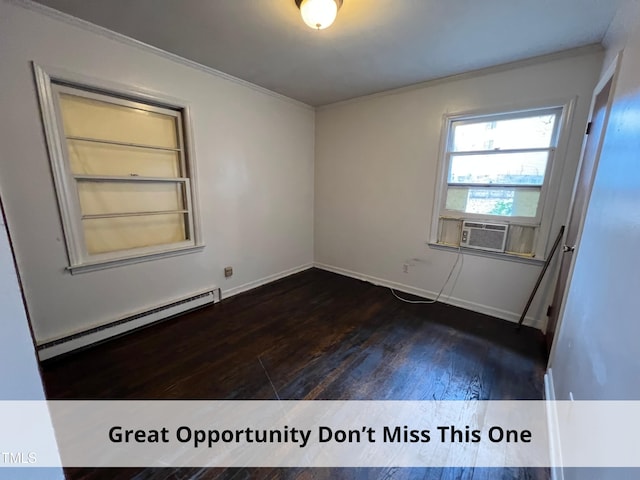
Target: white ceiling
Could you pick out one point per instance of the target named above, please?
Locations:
(374, 45)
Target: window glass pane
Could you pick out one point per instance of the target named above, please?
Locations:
(129, 197)
(123, 233)
(85, 117)
(525, 203)
(457, 199)
(506, 202)
(514, 133)
(499, 168)
(89, 158)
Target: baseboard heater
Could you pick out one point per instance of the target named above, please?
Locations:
(131, 322)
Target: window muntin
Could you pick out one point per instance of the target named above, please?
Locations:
(497, 165)
(130, 192)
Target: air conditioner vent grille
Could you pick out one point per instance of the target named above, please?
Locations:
(484, 236)
(501, 228)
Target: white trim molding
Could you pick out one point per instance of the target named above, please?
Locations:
(51, 82)
(551, 57)
(456, 302)
(230, 292)
(555, 451)
(132, 42)
(509, 257)
(610, 74)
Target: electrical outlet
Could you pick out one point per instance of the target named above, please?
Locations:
(228, 271)
(405, 268)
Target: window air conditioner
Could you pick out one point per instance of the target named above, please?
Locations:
(484, 236)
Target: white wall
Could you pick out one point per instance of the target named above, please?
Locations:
(620, 29)
(20, 377)
(20, 371)
(376, 164)
(596, 352)
(254, 153)
(596, 355)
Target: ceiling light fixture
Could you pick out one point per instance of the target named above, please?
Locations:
(319, 14)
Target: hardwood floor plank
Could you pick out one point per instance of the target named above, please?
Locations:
(314, 335)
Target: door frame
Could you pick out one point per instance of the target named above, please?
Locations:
(610, 74)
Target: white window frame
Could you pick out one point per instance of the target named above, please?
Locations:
(50, 82)
(548, 191)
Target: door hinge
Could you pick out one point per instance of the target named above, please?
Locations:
(549, 310)
(588, 128)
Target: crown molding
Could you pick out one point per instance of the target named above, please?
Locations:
(132, 42)
(550, 57)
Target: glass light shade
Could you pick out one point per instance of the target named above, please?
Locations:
(318, 14)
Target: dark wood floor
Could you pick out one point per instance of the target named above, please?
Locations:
(318, 336)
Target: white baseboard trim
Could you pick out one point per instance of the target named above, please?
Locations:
(457, 302)
(230, 292)
(555, 451)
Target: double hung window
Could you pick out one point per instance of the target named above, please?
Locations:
(123, 176)
(496, 168)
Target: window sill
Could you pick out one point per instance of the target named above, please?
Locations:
(483, 253)
(117, 262)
